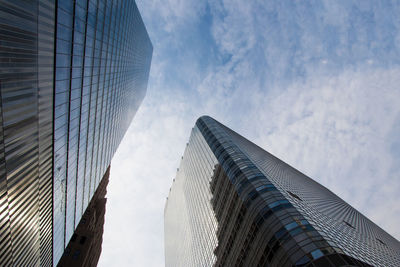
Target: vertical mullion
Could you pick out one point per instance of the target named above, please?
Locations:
(68, 126)
(96, 86)
(60, 175)
(84, 205)
(110, 87)
(107, 101)
(116, 91)
(81, 162)
(122, 99)
(97, 165)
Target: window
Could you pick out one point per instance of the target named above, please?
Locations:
(277, 203)
(63, 47)
(62, 60)
(302, 261)
(290, 226)
(317, 254)
(265, 186)
(64, 33)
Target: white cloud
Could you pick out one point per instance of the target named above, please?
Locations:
(141, 174)
(324, 105)
(170, 14)
(339, 130)
(335, 129)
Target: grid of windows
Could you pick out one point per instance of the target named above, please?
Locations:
(336, 220)
(103, 56)
(190, 227)
(26, 107)
(262, 212)
(72, 75)
(250, 209)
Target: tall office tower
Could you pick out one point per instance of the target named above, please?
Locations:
(72, 75)
(234, 204)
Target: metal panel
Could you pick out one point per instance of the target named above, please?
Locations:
(26, 81)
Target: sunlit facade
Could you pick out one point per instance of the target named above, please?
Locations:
(73, 74)
(190, 238)
(234, 204)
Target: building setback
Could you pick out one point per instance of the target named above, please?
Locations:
(234, 204)
(72, 76)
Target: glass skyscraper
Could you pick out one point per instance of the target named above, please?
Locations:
(234, 204)
(72, 75)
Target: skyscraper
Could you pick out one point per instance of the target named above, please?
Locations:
(234, 204)
(72, 76)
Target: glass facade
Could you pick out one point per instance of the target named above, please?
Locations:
(72, 76)
(102, 63)
(234, 204)
(26, 136)
(190, 227)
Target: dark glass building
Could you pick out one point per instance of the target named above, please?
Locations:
(72, 75)
(234, 204)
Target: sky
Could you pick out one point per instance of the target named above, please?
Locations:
(316, 83)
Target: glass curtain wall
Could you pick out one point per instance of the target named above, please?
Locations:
(103, 56)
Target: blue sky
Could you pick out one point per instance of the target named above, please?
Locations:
(316, 83)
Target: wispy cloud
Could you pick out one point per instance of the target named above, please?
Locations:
(169, 15)
(141, 174)
(314, 82)
(341, 131)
